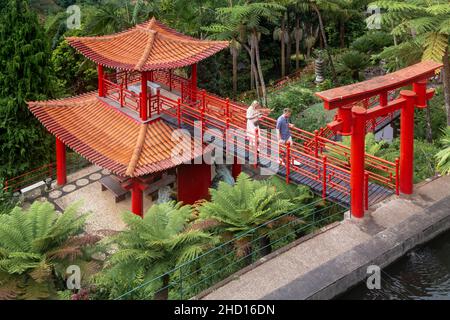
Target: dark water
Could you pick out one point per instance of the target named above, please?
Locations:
(423, 274)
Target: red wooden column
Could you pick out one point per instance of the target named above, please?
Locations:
(193, 91)
(236, 168)
(357, 158)
(407, 142)
(193, 182)
(137, 199)
(61, 174)
(143, 98)
(101, 75)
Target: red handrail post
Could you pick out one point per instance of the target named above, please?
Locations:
(179, 112)
(121, 95)
(193, 84)
(383, 98)
(288, 161)
(170, 80)
(316, 143)
(324, 177)
(407, 141)
(101, 87)
(143, 97)
(158, 93)
(397, 177)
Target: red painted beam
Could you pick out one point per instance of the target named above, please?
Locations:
(345, 95)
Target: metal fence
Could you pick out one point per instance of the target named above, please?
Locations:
(191, 278)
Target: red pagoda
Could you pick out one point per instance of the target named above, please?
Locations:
(121, 126)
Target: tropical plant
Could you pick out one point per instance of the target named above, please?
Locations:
(443, 156)
(243, 23)
(151, 247)
(244, 210)
(354, 62)
(424, 28)
(25, 75)
(36, 247)
(372, 42)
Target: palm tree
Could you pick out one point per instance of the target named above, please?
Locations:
(36, 247)
(425, 28)
(242, 209)
(151, 247)
(243, 22)
(443, 156)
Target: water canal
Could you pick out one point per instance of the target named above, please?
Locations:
(423, 273)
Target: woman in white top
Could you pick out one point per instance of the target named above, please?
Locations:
(253, 115)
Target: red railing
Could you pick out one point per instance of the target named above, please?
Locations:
(29, 178)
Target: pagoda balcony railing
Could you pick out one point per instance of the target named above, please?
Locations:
(117, 88)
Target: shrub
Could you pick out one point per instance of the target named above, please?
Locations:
(372, 42)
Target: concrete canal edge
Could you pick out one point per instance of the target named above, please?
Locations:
(332, 261)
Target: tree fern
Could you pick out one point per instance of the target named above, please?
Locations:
(150, 247)
(36, 246)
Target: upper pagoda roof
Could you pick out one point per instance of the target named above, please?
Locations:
(145, 47)
(111, 139)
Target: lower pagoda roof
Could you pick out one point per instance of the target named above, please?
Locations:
(110, 138)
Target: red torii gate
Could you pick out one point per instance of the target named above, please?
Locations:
(351, 120)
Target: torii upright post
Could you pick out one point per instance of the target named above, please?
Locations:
(407, 142)
(357, 161)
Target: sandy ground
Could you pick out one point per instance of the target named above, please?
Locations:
(104, 213)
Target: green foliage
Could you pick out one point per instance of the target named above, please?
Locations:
(150, 247)
(443, 156)
(372, 42)
(431, 25)
(36, 247)
(438, 117)
(353, 62)
(239, 209)
(24, 76)
(75, 75)
(295, 96)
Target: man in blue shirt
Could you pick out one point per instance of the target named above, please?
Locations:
(283, 130)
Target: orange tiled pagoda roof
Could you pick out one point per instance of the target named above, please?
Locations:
(110, 138)
(148, 46)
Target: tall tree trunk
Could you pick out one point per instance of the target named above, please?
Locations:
(234, 53)
(342, 32)
(446, 77)
(260, 73)
(254, 74)
(325, 44)
(297, 41)
(163, 293)
(283, 55)
(288, 45)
